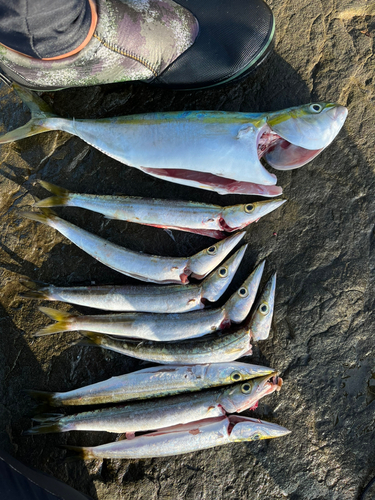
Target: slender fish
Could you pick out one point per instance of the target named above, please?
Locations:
(143, 416)
(185, 438)
(162, 327)
(213, 150)
(145, 267)
(262, 316)
(216, 348)
(153, 382)
(210, 220)
(145, 298)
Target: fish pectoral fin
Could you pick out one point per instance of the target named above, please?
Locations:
(246, 131)
(110, 217)
(170, 234)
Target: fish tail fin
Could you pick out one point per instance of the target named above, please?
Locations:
(63, 319)
(78, 453)
(60, 198)
(40, 112)
(90, 339)
(34, 290)
(28, 283)
(42, 429)
(34, 294)
(48, 424)
(44, 397)
(37, 106)
(45, 217)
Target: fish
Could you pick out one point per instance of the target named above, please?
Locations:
(261, 318)
(180, 439)
(215, 348)
(154, 382)
(212, 150)
(162, 327)
(144, 298)
(142, 416)
(200, 218)
(142, 266)
(219, 347)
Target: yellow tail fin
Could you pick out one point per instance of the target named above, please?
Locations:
(63, 324)
(40, 112)
(60, 198)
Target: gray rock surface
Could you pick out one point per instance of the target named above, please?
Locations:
(320, 242)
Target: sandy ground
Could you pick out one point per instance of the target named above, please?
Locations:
(320, 242)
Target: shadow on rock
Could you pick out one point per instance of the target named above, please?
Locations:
(20, 369)
(274, 85)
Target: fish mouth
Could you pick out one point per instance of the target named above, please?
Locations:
(271, 384)
(268, 385)
(281, 154)
(277, 383)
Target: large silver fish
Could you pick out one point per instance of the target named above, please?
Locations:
(185, 438)
(144, 298)
(209, 220)
(143, 416)
(213, 150)
(162, 327)
(145, 267)
(153, 382)
(217, 348)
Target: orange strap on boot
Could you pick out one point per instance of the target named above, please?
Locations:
(94, 20)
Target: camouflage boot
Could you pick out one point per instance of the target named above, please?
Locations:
(159, 42)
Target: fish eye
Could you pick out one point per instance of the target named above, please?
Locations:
(263, 308)
(256, 437)
(246, 388)
(211, 250)
(249, 208)
(223, 272)
(316, 108)
(243, 292)
(236, 376)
